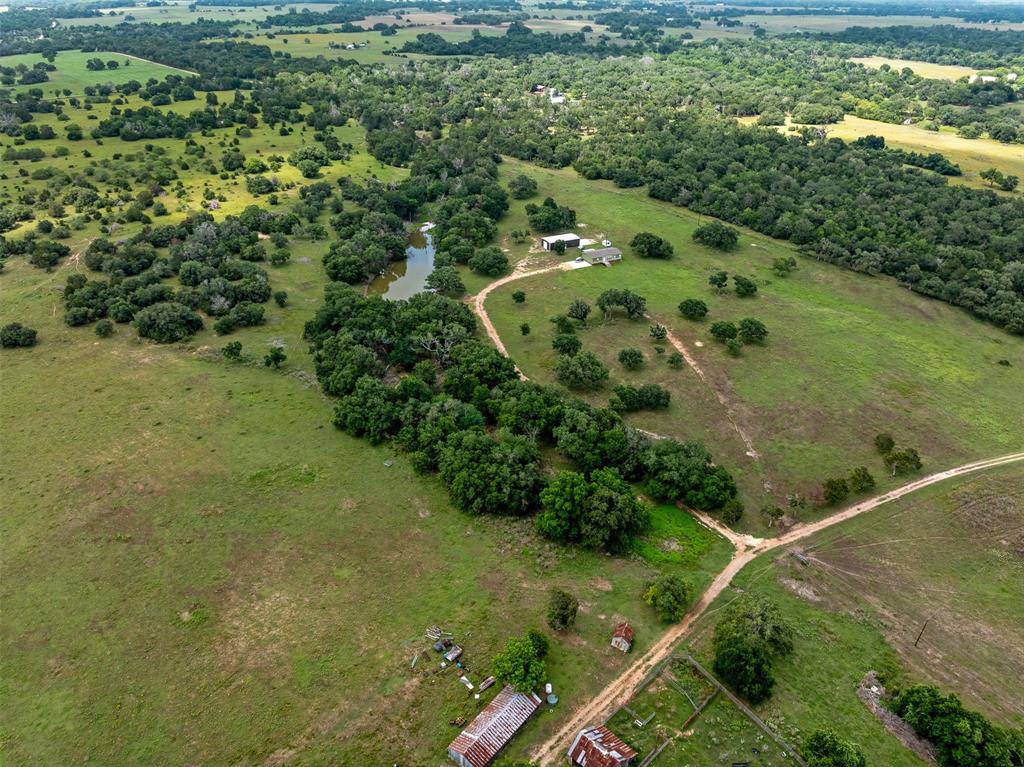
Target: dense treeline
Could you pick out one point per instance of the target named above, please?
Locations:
(842, 203)
(518, 41)
(942, 44)
(414, 372)
(962, 738)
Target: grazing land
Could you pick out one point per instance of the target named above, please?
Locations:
(949, 556)
(806, 422)
(219, 535)
(243, 491)
(919, 68)
(73, 75)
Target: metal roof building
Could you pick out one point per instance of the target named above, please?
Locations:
(493, 728)
(600, 747)
(570, 239)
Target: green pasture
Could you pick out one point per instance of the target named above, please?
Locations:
(203, 570)
(949, 555)
(848, 355)
(72, 75)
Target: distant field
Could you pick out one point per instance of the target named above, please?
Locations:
(783, 24)
(263, 141)
(179, 12)
(375, 44)
(848, 355)
(972, 155)
(951, 555)
(920, 68)
(73, 75)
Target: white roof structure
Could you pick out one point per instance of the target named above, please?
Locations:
(567, 237)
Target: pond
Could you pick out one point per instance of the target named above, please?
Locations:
(403, 279)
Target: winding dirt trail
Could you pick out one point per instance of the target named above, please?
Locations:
(478, 300)
(601, 706)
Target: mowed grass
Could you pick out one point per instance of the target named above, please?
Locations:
(919, 68)
(72, 74)
(203, 570)
(848, 355)
(950, 555)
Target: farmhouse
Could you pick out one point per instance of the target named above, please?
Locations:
(622, 637)
(600, 747)
(602, 255)
(493, 728)
(571, 240)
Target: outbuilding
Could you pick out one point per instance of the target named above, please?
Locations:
(622, 637)
(600, 747)
(493, 728)
(571, 240)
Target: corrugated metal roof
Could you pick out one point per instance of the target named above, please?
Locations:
(625, 631)
(600, 747)
(493, 727)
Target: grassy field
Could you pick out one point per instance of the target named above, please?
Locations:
(920, 68)
(178, 12)
(951, 555)
(783, 24)
(216, 575)
(972, 155)
(72, 74)
(848, 355)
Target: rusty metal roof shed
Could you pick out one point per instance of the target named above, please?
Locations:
(493, 728)
(600, 747)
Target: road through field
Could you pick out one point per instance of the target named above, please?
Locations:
(601, 706)
(519, 274)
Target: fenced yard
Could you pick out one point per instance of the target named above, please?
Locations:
(683, 718)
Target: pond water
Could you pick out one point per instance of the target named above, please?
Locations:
(403, 279)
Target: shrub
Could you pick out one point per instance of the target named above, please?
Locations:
(562, 608)
(723, 331)
(581, 371)
(676, 361)
(566, 344)
(825, 748)
(274, 358)
(104, 328)
(524, 328)
(647, 245)
(631, 359)
(15, 335)
(835, 490)
(281, 298)
(745, 287)
(519, 665)
(717, 235)
(522, 187)
(752, 331)
(232, 350)
(519, 297)
(669, 596)
(884, 443)
(744, 665)
(861, 480)
(167, 322)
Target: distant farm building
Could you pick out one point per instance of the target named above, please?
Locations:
(602, 255)
(600, 747)
(571, 241)
(493, 728)
(622, 637)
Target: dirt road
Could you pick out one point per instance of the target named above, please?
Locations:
(478, 300)
(599, 708)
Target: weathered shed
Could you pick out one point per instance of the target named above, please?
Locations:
(600, 747)
(493, 728)
(622, 637)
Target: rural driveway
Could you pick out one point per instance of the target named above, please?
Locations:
(601, 706)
